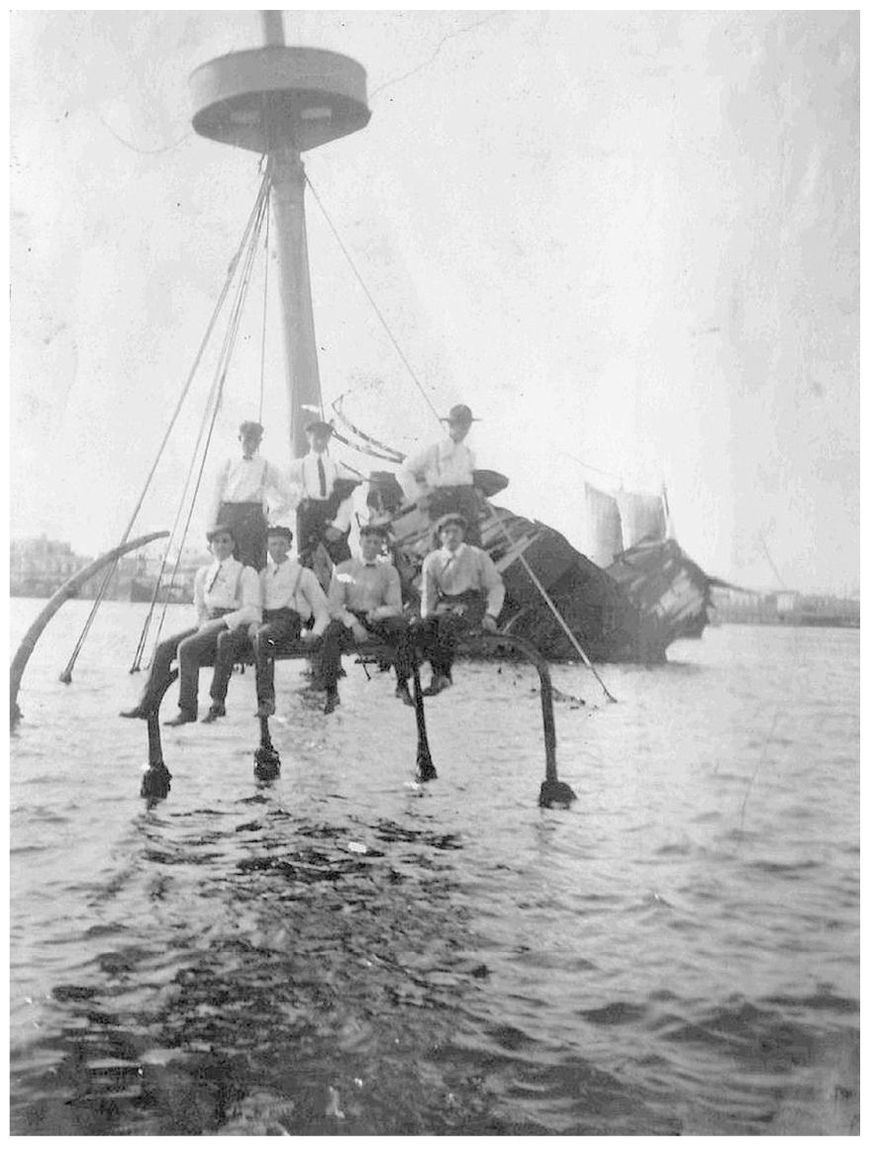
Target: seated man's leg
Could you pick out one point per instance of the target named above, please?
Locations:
(196, 651)
(335, 637)
(278, 631)
(395, 631)
(263, 654)
(229, 645)
(160, 677)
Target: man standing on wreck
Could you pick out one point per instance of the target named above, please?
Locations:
(325, 508)
(241, 493)
(442, 474)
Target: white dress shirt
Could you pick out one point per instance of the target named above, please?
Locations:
(252, 480)
(230, 585)
(288, 584)
(445, 463)
(468, 568)
(304, 475)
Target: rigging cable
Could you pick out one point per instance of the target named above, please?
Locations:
(550, 602)
(245, 247)
(264, 317)
(67, 673)
(540, 588)
(216, 393)
(372, 301)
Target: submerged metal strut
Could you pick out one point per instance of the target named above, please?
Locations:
(266, 758)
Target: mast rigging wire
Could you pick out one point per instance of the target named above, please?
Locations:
(539, 587)
(372, 301)
(550, 602)
(214, 402)
(66, 674)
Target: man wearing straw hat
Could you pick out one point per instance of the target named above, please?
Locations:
(442, 474)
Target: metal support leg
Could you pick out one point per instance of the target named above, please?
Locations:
(553, 791)
(266, 758)
(156, 778)
(425, 767)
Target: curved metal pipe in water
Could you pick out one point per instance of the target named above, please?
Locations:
(61, 595)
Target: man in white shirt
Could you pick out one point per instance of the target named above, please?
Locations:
(461, 591)
(365, 601)
(227, 600)
(443, 474)
(326, 498)
(243, 487)
(291, 597)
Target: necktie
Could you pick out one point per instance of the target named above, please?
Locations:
(322, 473)
(215, 577)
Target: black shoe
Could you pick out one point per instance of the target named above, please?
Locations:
(179, 720)
(214, 712)
(137, 712)
(403, 694)
(333, 700)
(437, 684)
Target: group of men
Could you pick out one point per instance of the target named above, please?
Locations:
(254, 595)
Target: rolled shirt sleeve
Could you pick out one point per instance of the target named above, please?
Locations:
(251, 601)
(286, 489)
(341, 521)
(493, 585)
(392, 595)
(317, 601)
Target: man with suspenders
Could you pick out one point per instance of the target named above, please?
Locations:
(227, 601)
(240, 496)
(291, 597)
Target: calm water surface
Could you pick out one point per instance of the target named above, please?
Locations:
(340, 952)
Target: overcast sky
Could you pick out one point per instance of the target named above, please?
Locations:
(628, 240)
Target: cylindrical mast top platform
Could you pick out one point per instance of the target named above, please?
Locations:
(265, 98)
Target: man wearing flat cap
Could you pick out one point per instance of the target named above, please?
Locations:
(442, 474)
(292, 599)
(227, 600)
(241, 494)
(325, 504)
(365, 602)
(461, 591)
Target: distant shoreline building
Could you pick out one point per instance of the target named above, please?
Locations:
(39, 566)
(789, 608)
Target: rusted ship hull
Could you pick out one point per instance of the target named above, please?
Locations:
(609, 625)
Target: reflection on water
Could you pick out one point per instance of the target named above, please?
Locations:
(341, 952)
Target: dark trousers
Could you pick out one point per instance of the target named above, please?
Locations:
(393, 631)
(278, 627)
(160, 677)
(310, 525)
(210, 644)
(437, 634)
(230, 646)
(193, 649)
(457, 500)
(248, 524)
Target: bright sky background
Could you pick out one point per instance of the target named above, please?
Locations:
(628, 240)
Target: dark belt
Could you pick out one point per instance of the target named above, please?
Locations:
(279, 615)
(220, 612)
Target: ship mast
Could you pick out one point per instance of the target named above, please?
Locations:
(280, 101)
